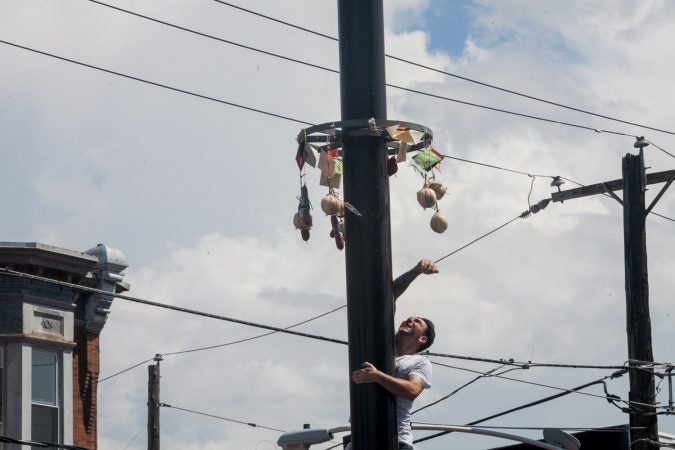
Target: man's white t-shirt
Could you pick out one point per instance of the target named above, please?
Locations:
(406, 366)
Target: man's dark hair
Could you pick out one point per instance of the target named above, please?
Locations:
(430, 333)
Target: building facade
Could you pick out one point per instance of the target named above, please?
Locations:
(49, 340)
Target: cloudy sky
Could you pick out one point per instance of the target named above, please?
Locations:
(200, 195)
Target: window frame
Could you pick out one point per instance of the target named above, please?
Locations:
(57, 405)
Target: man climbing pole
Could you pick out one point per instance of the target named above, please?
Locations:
(413, 371)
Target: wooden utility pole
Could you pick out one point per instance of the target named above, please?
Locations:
(370, 310)
(638, 324)
(153, 405)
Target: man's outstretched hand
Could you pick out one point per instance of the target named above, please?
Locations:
(426, 267)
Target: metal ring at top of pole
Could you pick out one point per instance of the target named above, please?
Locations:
(332, 134)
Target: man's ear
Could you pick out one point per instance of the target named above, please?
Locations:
(424, 339)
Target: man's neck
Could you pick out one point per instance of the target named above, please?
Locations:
(405, 348)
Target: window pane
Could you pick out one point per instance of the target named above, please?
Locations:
(44, 426)
(44, 377)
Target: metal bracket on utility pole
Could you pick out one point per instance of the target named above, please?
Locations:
(610, 186)
(612, 194)
(661, 192)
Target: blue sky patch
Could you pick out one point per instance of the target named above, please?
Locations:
(448, 23)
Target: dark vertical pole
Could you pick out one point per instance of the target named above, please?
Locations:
(638, 323)
(368, 243)
(153, 407)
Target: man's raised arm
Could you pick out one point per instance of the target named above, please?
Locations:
(401, 283)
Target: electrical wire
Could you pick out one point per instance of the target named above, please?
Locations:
(222, 345)
(604, 397)
(131, 441)
(450, 74)
(274, 19)
(254, 337)
(661, 216)
(316, 66)
(467, 384)
(495, 167)
(250, 424)
(530, 364)
(530, 404)
(171, 307)
(210, 36)
(478, 239)
(9, 440)
(615, 429)
(152, 83)
(663, 150)
(529, 194)
(506, 111)
(124, 371)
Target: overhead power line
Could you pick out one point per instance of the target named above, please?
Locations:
(450, 74)
(530, 364)
(316, 66)
(479, 238)
(274, 19)
(513, 113)
(663, 150)
(528, 405)
(216, 38)
(547, 386)
(250, 424)
(465, 385)
(239, 341)
(615, 429)
(496, 167)
(171, 307)
(124, 370)
(152, 83)
(210, 347)
(39, 444)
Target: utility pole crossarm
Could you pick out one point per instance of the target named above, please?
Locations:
(614, 185)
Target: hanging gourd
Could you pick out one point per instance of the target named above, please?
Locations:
(438, 188)
(330, 204)
(426, 197)
(439, 223)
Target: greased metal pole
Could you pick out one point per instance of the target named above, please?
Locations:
(368, 237)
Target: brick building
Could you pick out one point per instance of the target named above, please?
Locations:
(49, 341)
